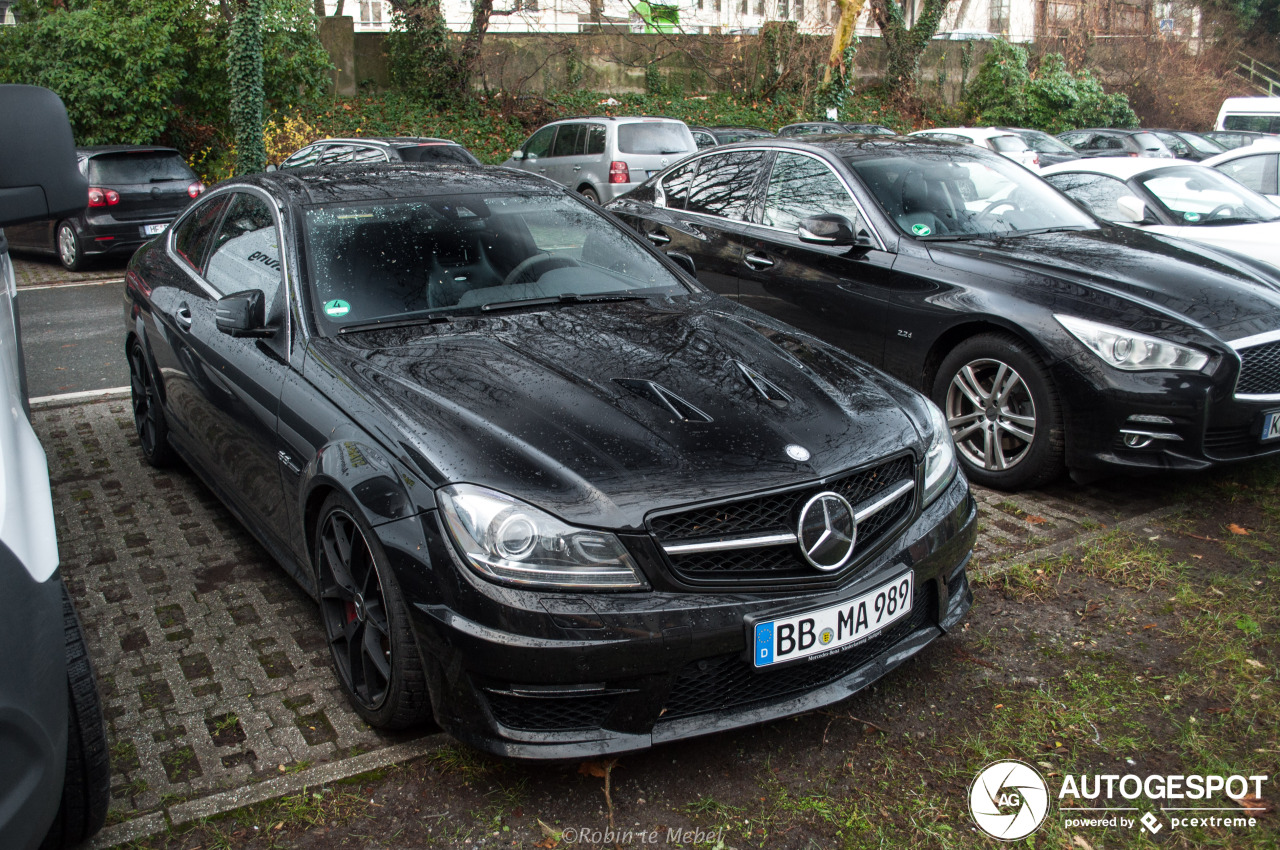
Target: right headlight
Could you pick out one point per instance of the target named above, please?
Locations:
(1133, 352)
(939, 457)
(512, 542)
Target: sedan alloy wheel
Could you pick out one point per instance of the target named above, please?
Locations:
(148, 416)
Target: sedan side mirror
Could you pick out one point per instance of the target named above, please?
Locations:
(517, 154)
(834, 231)
(1133, 210)
(270, 168)
(243, 314)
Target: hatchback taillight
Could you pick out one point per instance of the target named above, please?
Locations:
(103, 197)
(195, 189)
(619, 173)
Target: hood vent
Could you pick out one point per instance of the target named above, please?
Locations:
(771, 392)
(665, 399)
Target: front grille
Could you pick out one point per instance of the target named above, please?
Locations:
(1259, 369)
(551, 714)
(778, 514)
(729, 682)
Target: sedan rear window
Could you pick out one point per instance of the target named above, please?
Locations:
(437, 153)
(653, 137)
(138, 167)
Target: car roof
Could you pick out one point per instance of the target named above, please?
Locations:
(389, 141)
(1113, 131)
(389, 180)
(616, 118)
(860, 145)
(736, 127)
(1123, 167)
(94, 150)
(973, 132)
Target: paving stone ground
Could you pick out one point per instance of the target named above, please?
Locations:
(31, 269)
(211, 661)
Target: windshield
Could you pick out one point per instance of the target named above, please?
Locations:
(1200, 143)
(1200, 196)
(954, 194)
(389, 260)
(1044, 143)
(138, 167)
(653, 137)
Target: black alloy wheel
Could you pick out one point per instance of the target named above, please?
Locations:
(365, 621)
(1003, 412)
(148, 415)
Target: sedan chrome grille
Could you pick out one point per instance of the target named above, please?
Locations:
(1259, 370)
(754, 540)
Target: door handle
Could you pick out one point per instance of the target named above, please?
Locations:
(657, 237)
(757, 261)
(183, 316)
(577, 168)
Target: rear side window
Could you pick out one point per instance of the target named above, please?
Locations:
(675, 186)
(595, 139)
(723, 184)
(437, 153)
(305, 157)
(140, 167)
(193, 234)
(653, 137)
(246, 254)
(1255, 172)
(801, 187)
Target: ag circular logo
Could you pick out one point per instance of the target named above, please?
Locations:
(799, 453)
(1009, 800)
(827, 531)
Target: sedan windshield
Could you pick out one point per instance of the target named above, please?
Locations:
(954, 195)
(423, 257)
(1200, 196)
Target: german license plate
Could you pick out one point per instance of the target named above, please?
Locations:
(153, 229)
(1271, 425)
(832, 628)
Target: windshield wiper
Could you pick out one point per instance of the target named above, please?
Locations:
(381, 325)
(1232, 220)
(566, 298)
(953, 237)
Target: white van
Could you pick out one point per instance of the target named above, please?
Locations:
(1256, 114)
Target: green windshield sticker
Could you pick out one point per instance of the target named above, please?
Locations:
(1191, 216)
(336, 308)
(921, 229)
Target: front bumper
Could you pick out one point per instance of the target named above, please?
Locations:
(557, 676)
(1174, 420)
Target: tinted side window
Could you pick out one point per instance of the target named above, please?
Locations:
(801, 187)
(703, 140)
(193, 234)
(676, 185)
(363, 154)
(336, 153)
(1095, 192)
(305, 157)
(1076, 140)
(1256, 172)
(723, 184)
(595, 139)
(539, 143)
(246, 254)
(567, 140)
(1254, 123)
(1104, 143)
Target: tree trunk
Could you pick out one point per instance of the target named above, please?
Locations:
(244, 67)
(843, 34)
(481, 11)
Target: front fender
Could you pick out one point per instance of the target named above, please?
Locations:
(382, 489)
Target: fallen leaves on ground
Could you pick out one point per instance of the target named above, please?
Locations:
(1237, 529)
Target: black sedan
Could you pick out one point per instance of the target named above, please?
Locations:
(1046, 336)
(544, 487)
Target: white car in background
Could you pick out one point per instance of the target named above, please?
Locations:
(1175, 198)
(1252, 165)
(1003, 142)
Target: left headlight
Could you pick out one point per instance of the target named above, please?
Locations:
(512, 542)
(1133, 352)
(939, 457)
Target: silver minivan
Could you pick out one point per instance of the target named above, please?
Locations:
(603, 157)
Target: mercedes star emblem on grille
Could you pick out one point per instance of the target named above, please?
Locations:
(827, 531)
(795, 452)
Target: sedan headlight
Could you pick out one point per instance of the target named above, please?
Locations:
(939, 457)
(1133, 352)
(509, 541)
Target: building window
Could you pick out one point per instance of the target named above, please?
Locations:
(999, 21)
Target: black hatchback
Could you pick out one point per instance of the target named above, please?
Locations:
(134, 192)
(1048, 338)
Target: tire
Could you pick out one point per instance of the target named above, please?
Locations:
(86, 785)
(590, 194)
(68, 247)
(366, 621)
(1014, 445)
(148, 412)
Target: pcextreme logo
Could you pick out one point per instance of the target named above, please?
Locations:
(1009, 800)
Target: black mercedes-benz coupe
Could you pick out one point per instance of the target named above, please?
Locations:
(544, 487)
(1047, 337)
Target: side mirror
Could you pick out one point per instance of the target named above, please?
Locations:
(270, 167)
(517, 154)
(833, 231)
(39, 178)
(685, 262)
(243, 314)
(1133, 210)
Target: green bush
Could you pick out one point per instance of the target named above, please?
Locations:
(1004, 92)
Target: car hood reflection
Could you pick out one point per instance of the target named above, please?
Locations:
(556, 406)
